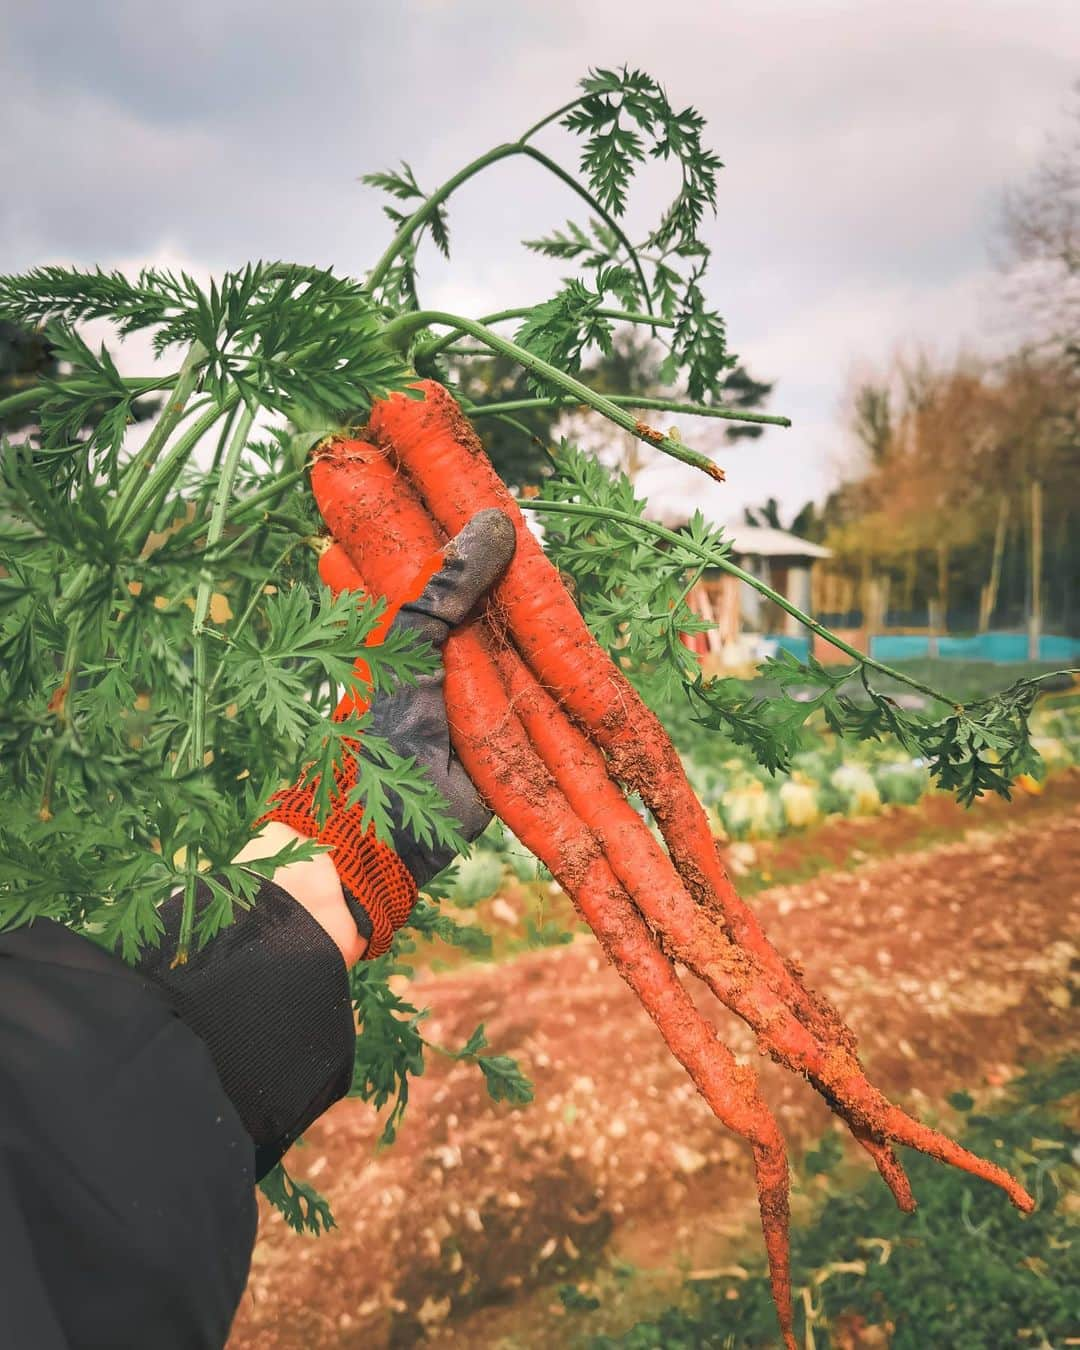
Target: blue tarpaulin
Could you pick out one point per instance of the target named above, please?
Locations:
(799, 647)
(1001, 648)
(898, 647)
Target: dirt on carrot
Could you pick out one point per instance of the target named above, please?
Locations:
(648, 433)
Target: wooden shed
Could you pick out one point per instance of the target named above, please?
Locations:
(743, 619)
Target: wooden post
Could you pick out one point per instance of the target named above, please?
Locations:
(714, 639)
(940, 622)
(866, 582)
(937, 623)
(911, 565)
(988, 599)
(876, 603)
(1035, 571)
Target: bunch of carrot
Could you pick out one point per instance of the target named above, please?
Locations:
(554, 735)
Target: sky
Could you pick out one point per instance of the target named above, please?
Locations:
(867, 149)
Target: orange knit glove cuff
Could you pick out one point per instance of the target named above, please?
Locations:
(370, 869)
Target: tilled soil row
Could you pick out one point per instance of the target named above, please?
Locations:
(952, 965)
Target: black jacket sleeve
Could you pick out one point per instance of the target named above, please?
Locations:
(137, 1109)
(269, 997)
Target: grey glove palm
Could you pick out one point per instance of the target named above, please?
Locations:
(413, 718)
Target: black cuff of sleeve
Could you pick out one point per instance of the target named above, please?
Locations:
(360, 916)
(269, 996)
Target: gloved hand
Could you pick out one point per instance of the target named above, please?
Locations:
(380, 882)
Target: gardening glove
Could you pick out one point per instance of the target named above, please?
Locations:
(380, 881)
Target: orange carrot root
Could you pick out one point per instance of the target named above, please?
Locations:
(553, 786)
(496, 752)
(905, 1130)
(499, 758)
(336, 569)
(446, 463)
(447, 466)
(685, 931)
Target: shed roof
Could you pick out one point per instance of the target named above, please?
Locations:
(749, 541)
(762, 541)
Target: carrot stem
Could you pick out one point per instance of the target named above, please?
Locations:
(39, 389)
(437, 345)
(634, 401)
(150, 493)
(186, 381)
(399, 331)
(199, 681)
(724, 564)
(427, 208)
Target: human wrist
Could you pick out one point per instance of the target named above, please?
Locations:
(370, 872)
(313, 883)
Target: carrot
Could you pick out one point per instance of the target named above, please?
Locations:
(446, 463)
(551, 785)
(504, 766)
(690, 936)
(372, 509)
(686, 933)
(336, 569)
(501, 762)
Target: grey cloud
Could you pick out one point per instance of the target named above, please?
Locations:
(867, 146)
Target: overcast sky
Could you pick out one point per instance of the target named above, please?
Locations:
(867, 147)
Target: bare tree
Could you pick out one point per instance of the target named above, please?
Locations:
(1041, 226)
(872, 420)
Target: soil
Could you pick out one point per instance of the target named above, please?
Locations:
(952, 964)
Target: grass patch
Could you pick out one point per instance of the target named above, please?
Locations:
(965, 1272)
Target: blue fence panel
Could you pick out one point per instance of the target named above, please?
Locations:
(972, 648)
(898, 647)
(799, 647)
(1055, 648)
(1004, 647)
(1001, 648)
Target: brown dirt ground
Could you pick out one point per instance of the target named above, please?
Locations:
(952, 964)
